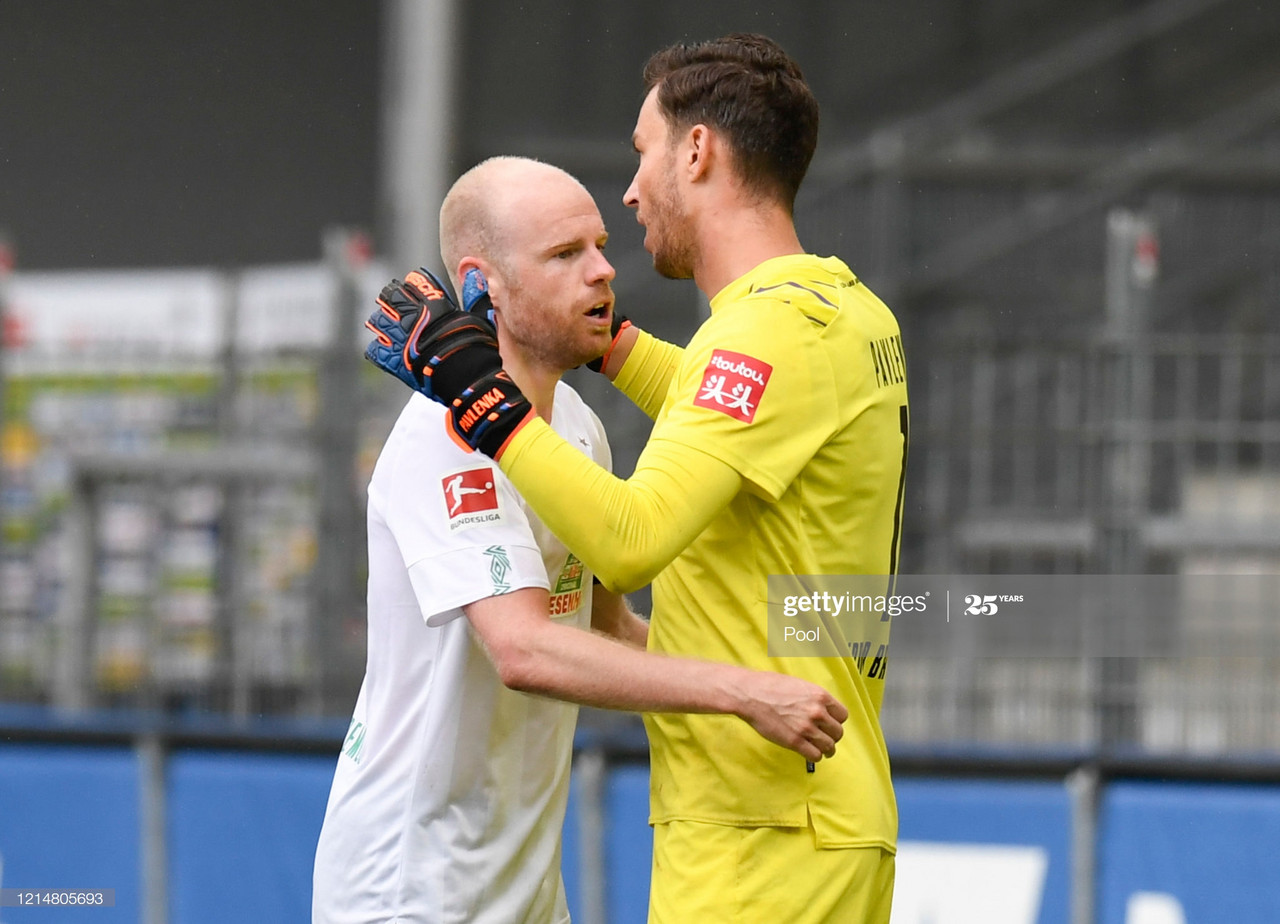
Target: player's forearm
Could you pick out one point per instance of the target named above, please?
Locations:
(645, 371)
(566, 663)
(625, 531)
(627, 628)
(633, 630)
(532, 654)
(611, 615)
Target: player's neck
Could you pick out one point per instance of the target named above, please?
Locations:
(534, 379)
(734, 241)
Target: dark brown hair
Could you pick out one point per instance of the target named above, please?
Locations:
(746, 88)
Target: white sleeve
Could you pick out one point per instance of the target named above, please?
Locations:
(456, 519)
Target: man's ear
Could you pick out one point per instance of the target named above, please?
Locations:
(700, 150)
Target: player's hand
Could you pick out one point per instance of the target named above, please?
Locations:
(475, 297)
(620, 323)
(451, 356)
(795, 713)
(417, 329)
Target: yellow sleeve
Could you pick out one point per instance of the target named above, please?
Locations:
(754, 390)
(646, 375)
(625, 531)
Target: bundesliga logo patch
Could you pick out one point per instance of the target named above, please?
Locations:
(471, 498)
(733, 384)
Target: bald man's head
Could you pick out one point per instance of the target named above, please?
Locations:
(537, 235)
(483, 206)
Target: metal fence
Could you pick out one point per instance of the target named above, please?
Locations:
(1123, 454)
(182, 526)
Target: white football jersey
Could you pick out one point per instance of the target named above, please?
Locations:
(449, 795)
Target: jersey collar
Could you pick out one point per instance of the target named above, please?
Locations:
(801, 266)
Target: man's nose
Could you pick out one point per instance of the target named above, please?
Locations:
(601, 269)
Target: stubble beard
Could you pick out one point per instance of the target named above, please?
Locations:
(673, 251)
(546, 341)
(674, 262)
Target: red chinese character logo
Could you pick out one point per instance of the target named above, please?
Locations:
(733, 383)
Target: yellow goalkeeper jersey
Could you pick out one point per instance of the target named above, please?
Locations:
(796, 381)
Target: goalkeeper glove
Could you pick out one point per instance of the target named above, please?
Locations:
(415, 312)
(451, 356)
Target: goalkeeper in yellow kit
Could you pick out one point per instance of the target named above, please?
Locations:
(778, 447)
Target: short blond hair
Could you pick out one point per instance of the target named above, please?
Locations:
(473, 220)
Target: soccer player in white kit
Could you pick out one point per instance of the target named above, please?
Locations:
(450, 790)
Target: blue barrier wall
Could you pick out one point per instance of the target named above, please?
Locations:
(69, 819)
(1006, 813)
(242, 828)
(571, 855)
(628, 845)
(242, 835)
(1211, 850)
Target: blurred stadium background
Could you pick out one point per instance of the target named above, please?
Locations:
(1073, 208)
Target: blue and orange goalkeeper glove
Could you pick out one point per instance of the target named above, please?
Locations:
(450, 355)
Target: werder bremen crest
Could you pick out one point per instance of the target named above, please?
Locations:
(570, 576)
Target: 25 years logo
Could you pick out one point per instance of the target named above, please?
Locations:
(988, 604)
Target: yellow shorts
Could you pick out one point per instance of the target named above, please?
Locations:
(707, 872)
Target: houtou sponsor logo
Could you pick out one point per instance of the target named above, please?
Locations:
(746, 367)
(733, 384)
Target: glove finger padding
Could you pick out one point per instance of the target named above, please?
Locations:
(406, 314)
(475, 296)
(387, 349)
